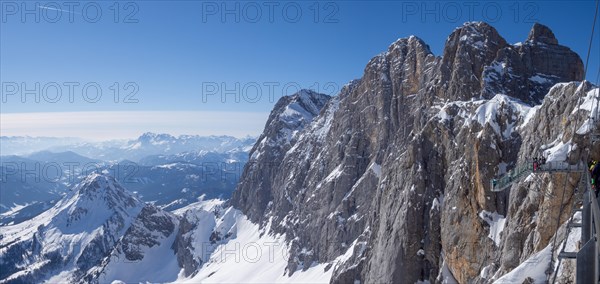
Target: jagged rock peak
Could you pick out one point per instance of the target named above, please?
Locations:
(543, 34)
(149, 136)
(475, 30)
(310, 100)
(468, 50)
(410, 41)
(299, 108)
(95, 181)
(104, 187)
(287, 120)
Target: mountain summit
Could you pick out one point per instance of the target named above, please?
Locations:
(542, 34)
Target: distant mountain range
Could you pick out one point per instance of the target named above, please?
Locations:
(145, 145)
(170, 172)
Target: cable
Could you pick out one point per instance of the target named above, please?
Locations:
(597, 117)
(591, 40)
(586, 66)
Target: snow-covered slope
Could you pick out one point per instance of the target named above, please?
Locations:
(145, 252)
(253, 256)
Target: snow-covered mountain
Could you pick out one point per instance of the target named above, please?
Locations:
(388, 182)
(75, 235)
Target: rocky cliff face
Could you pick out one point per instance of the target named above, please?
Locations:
(290, 115)
(395, 170)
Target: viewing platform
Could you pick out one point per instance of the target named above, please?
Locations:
(505, 180)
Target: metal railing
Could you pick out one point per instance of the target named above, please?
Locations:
(507, 179)
(560, 167)
(511, 176)
(588, 257)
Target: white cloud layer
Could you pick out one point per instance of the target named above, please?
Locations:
(104, 125)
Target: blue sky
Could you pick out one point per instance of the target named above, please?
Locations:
(168, 57)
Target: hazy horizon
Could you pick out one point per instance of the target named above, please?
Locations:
(116, 125)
